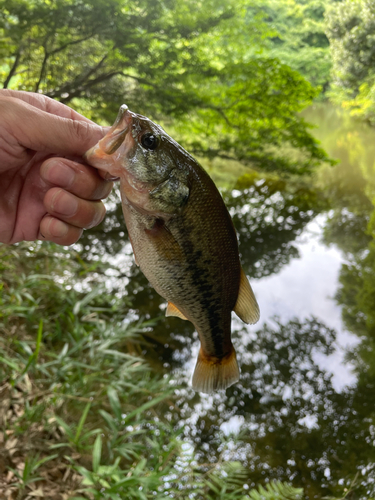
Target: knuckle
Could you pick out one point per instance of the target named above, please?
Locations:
(81, 130)
(85, 134)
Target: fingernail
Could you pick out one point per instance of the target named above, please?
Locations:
(57, 228)
(109, 177)
(56, 172)
(64, 203)
(99, 215)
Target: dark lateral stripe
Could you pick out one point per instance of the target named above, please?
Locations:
(209, 302)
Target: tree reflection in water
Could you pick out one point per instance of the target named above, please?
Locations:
(293, 425)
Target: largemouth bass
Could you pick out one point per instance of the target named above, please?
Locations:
(182, 237)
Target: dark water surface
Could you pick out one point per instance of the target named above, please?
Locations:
(304, 409)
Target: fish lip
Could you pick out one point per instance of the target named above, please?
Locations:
(103, 154)
(117, 133)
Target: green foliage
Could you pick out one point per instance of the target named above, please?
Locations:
(298, 37)
(194, 67)
(80, 402)
(277, 491)
(246, 103)
(357, 292)
(29, 473)
(350, 29)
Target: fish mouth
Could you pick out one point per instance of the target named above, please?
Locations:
(103, 155)
(117, 133)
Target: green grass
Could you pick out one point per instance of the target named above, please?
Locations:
(82, 415)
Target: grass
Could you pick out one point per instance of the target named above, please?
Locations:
(82, 415)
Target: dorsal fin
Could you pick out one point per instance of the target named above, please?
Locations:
(173, 311)
(246, 306)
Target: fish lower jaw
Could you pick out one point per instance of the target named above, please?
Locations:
(131, 182)
(103, 162)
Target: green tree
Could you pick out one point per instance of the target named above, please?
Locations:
(298, 37)
(350, 30)
(188, 65)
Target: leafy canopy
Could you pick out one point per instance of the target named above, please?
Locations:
(351, 32)
(298, 37)
(194, 66)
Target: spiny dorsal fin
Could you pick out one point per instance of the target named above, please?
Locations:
(213, 374)
(173, 311)
(246, 306)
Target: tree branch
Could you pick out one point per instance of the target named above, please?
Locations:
(77, 87)
(13, 68)
(47, 55)
(78, 92)
(78, 82)
(42, 70)
(74, 42)
(44, 63)
(95, 68)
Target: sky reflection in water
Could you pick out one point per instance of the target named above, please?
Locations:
(305, 287)
(293, 420)
(299, 412)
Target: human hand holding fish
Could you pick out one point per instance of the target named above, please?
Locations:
(180, 230)
(47, 192)
(183, 238)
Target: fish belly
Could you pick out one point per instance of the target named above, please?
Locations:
(196, 272)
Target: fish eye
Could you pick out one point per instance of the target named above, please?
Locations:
(150, 141)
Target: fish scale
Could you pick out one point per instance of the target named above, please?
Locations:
(183, 238)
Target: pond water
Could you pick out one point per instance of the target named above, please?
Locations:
(304, 408)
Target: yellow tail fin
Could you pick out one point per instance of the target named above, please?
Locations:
(212, 374)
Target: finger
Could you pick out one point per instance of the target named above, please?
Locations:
(52, 229)
(81, 180)
(45, 103)
(38, 130)
(71, 209)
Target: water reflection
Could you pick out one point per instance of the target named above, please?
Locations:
(282, 399)
(302, 411)
(268, 215)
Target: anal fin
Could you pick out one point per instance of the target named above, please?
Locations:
(214, 374)
(172, 310)
(246, 306)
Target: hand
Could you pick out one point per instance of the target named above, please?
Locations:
(47, 192)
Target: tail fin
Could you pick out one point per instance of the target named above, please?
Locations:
(212, 374)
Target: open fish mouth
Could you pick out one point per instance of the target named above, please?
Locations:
(116, 135)
(102, 156)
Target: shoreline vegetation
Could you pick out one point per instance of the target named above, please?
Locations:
(82, 414)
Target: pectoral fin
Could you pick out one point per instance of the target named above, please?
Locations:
(246, 306)
(173, 311)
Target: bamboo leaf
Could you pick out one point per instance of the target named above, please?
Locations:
(96, 454)
(114, 402)
(147, 406)
(81, 422)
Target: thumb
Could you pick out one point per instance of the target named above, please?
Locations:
(38, 130)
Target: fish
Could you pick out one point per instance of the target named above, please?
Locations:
(182, 237)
